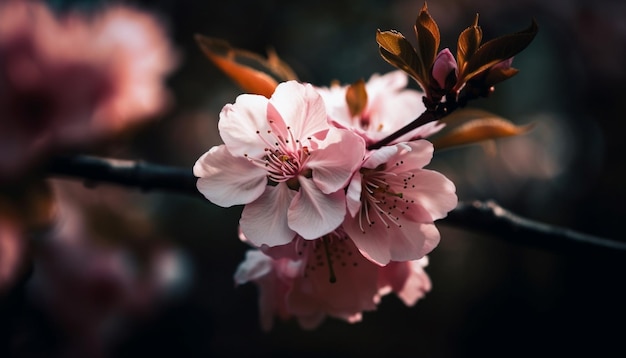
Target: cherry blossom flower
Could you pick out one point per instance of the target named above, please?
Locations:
(393, 201)
(283, 160)
(68, 81)
(326, 277)
(390, 106)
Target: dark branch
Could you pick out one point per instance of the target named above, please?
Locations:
(143, 176)
(486, 217)
(494, 220)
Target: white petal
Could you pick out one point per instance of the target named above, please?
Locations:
(313, 214)
(301, 107)
(227, 180)
(255, 266)
(264, 221)
(239, 123)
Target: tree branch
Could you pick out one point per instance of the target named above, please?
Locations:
(134, 174)
(487, 217)
(494, 220)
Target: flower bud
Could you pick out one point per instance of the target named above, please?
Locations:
(442, 67)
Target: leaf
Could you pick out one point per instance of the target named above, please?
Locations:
(398, 51)
(356, 98)
(427, 34)
(499, 74)
(498, 50)
(468, 43)
(468, 126)
(253, 73)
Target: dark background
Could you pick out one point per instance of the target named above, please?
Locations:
(490, 297)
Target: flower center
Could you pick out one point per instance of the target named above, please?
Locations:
(284, 159)
(383, 196)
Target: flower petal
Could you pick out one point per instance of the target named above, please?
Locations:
(353, 194)
(301, 107)
(226, 180)
(239, 123)
(382, 244)
(433, 192)
(418, 155)
(255, 266)
(264, 221)
(334, 164)
(313, 214)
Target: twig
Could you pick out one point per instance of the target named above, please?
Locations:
(135, 174)
(486, 217)
(494, 220)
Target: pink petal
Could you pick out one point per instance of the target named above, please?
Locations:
(407, 279)
(313, 214)
(301, 107)
(226, 180)
(241, 123)
(417, 284)
(383, 155)
(443, 66)
(255, 266)
(334, 165)
(353, 194)
(264, 221)
(418, 155)
(382, 244)
(433, 192)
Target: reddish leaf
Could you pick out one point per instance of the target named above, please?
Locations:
(427, 33)
(468, 43)
(253, 73)
(356, 98)
(498, 50)
(468, 126)
(398, 51)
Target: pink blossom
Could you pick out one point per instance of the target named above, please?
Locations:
(393, 201)
(93, 282)
(443, 66)
(284, 161)
(327, 277)
(67, 81)
(12, 250)
(390, 106)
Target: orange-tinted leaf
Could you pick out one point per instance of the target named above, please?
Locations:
(253, 73)
(468, 126)
(468, 43)
(497, 75)
(427, 33)
(356, 98)
(398, 51)
(498, 50)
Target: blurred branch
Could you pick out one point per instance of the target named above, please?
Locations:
(494, 220)
(135, 174)
(487, 217)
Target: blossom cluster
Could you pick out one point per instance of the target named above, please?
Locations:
(335, 224)
(69, 80)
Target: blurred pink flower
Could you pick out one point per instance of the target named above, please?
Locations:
(326, 277)
(282, 159)
(67, 81)
(92, 280)
(390, 106)
(392, 203)
(12, 250)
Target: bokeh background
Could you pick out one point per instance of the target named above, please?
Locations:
(490, 297)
